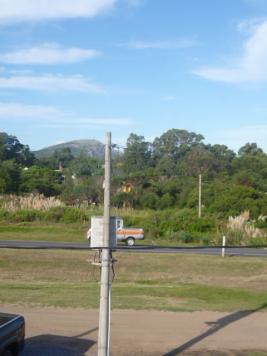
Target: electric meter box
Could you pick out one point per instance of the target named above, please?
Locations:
(97, 232)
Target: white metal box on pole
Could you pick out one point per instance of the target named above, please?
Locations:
(97, 229)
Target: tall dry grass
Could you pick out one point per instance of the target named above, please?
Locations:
(243, 227)
(28, 202)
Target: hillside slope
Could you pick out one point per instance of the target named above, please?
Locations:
(91, 148)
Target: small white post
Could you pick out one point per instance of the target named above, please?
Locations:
(223, 245)
(199, 195)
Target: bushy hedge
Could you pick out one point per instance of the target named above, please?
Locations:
(177, 225)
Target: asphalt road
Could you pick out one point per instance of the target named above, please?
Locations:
(229, 251)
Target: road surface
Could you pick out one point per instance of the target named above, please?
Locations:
(229, 251)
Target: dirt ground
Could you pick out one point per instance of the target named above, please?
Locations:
(69, 332)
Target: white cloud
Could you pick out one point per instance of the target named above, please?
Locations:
(166, 44)
(13, 11)
(49, 116)
(18, 110)
(49, 53)
(50, 83)
(251, 67)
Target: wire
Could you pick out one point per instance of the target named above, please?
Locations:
(118, 248)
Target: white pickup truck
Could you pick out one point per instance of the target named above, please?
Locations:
(128, 235)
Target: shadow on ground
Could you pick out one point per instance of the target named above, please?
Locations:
(56, 345)
(214, 328)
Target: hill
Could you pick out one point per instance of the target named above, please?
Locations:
(91, 148)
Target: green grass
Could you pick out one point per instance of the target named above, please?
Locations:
(36, 231)
(143, 281)
(177, 297)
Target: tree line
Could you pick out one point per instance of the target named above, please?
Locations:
(158, 175)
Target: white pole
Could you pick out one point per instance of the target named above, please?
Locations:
(103, 334)
(223, 246)
(199, 195)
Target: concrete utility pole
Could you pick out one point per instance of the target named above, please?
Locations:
(103, 334)
(199, 196)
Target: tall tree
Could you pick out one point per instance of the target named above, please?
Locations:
(197, 161)
(137, 154)
(250, 149)
(175, 143)
(12, 148)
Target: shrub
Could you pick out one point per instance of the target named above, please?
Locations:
(72, 215)
(25, 215)
(185, 237)
(66, 215)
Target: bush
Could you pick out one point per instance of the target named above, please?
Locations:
(72, 215)
(25, 215)
(170, 224)
(185, 237)
(66, 215)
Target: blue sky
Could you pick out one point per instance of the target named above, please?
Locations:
(76, 69)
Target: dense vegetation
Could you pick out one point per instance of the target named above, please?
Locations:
(161, 177)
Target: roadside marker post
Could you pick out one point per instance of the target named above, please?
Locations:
(223, 245)
(199, 196)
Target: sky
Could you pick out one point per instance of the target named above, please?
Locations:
(77, 69)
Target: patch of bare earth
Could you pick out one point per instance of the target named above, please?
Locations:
(69, 332)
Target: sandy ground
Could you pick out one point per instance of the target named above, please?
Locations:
(69, 332)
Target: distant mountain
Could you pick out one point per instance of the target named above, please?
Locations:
(92, 148)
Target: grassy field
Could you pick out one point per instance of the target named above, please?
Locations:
(142, 281)
(43, 231)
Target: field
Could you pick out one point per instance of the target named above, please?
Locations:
(37, 231)
(193, 304)
(142, 281)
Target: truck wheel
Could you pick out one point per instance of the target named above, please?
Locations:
(130, 241)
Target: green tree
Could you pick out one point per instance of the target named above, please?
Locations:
(77, 191)
(137, 154)
(42, 180)
(175, 143)
(85, 166)
(149, 200)
(12, 149)
(10, 177)
(250, 149)
(197, 161)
